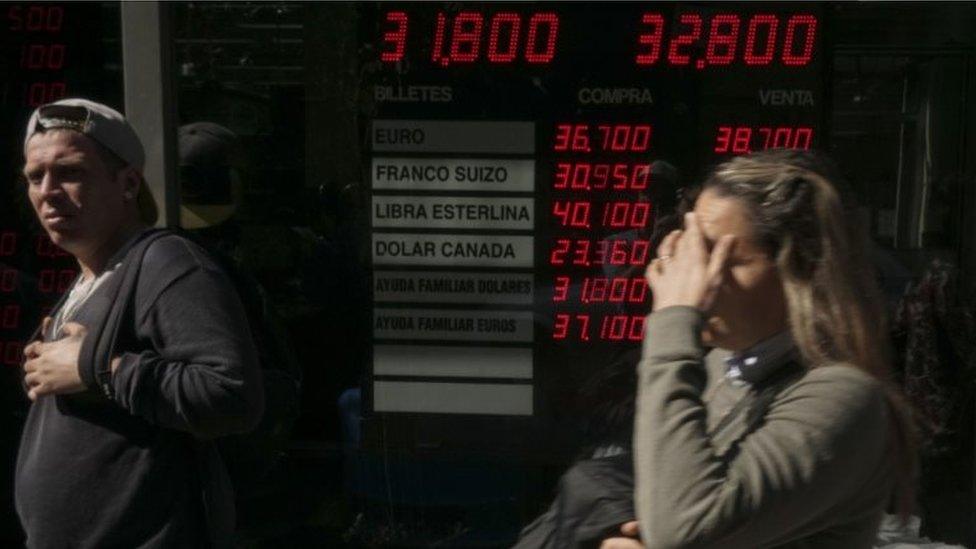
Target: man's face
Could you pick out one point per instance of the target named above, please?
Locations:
(750, 305)
(77, 200)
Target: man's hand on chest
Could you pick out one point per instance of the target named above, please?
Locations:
(52, 367)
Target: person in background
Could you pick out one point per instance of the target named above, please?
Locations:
(594, 495)
(790, 433)
(211, 160)
(112, 453)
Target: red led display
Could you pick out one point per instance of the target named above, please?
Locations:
(690, 34)
(50, 280)
(40, 50)
(626, 215)
(585, 138)
(40, 54)
(573, 137)
(546, 24)
(39, 93)
(651, 39)
(584, 252)
(460, 40)
(720, 36)
(396, 38)
(439, 33)
(603, 290)
(572, 213)
(509, 23)
(55, 281)
(625, 137)
(762, 26)
(589, 176)
(466, 38)
(576, 261)
(586, 327)
(809, 25)
(579, 214)
(35, 18)
(722, 40)
(502, 38)
(745, 139)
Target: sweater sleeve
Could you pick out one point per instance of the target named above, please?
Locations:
(202, 374)
(818, 443)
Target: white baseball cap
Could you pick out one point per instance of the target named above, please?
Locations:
(106, 126)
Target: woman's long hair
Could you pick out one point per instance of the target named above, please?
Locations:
(836, 314)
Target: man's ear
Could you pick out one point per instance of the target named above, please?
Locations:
(131, 182)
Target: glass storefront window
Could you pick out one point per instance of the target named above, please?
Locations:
(438, 216)
(450, 208)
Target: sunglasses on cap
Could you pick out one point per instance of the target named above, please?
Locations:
(75, 117)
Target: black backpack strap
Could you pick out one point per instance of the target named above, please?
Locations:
(95, 357)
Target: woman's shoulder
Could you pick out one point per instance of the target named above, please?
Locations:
(838, 392)
(842, 373)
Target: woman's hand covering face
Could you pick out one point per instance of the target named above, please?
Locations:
(686, 272)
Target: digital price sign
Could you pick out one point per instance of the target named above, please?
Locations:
(503, 37)
(590, 118)
(46, 52)
(35, 36)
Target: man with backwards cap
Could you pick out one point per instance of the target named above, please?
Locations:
(111, 453)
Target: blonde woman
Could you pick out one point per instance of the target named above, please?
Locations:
(789, 433)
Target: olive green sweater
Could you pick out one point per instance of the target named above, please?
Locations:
(815, 472)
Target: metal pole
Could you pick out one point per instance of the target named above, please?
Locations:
(150, 102)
